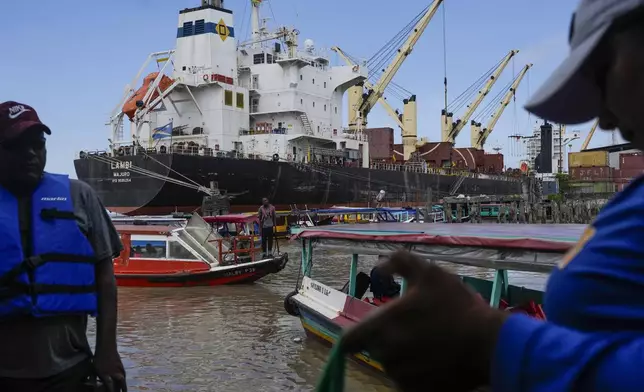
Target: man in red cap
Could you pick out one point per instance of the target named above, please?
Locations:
(57, 245)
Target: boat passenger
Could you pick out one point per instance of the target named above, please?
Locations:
(439, 337)
(48, 218)
(383, 285)
(267, 219)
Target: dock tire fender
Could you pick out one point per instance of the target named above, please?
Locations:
(290, 306)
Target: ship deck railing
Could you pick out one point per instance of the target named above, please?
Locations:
(187, 149)
(420, 168)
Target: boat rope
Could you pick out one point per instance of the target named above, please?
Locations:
(166, 166)
(332, 379)
(152, 174)
(148, 173)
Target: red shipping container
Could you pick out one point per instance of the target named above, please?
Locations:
(596, 173)
(381, 142)
(631, 161)
(628, 174)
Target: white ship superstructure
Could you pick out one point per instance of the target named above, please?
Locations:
(266, 98)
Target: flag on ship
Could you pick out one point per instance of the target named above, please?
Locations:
(162, 132)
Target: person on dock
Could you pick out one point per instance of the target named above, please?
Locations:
(440, 336)
(267, 219)
(57, 244)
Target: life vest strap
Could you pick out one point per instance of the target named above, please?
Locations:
(33, 262)
(53, 213)
(17, 289)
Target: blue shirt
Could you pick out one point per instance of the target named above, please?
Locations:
(594, 337)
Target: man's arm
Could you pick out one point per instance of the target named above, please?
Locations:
(533, 355)
(107, 245)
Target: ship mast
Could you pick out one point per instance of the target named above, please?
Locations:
(255, 35)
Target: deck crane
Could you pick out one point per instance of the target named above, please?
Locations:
(390, 110)
(479, 136)
(450, 130)
(407, 121)
(590, 136)
(364, 102)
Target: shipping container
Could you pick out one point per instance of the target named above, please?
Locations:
(597, 173)
(627, 174)
(381, 143)
(588, 159)
(630, 162)
(593, 187)
(492, 163)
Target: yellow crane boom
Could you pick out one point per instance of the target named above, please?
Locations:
(450, 131)
(479, 136)
(590, 136)
(390, 110)
(367, 102)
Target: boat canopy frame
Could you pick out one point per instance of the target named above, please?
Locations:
(503, 248)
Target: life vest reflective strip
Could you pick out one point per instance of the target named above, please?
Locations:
(58, 277)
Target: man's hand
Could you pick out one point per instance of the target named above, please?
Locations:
(110, 371)
(438, 336)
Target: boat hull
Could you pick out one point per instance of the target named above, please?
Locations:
(238, 274)
(326, 322)
(247, 181)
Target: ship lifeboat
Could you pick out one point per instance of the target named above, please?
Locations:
(130, 106)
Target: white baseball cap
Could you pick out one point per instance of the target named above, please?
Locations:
(567, 97)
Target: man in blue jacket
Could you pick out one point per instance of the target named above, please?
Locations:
(57, 245)
(439, 336)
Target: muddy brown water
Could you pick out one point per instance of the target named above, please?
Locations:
(239, 338)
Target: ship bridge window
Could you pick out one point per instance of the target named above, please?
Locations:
(200, 26)
(188, 29)
(324, 84)
(258, 58)
(148, 249)
(240, 100)
(228, 98)
(301, 77)
(336, 110)
(269, 59)
(325, 108)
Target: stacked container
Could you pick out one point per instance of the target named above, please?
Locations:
(590, 172)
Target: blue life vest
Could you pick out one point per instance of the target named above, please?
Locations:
(58, 278)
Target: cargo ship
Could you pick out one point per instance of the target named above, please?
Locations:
(232, 120)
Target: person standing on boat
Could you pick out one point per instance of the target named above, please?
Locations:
(57, 244)
(439, 336)
(267, 219)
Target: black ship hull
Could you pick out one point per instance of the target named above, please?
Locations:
(170, 181)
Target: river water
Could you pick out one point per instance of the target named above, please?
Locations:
(238, 338)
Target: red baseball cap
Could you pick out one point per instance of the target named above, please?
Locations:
(15, 118)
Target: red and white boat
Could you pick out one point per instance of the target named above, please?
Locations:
(192, 252)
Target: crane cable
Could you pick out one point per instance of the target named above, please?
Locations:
(464, 98)
(445, 56)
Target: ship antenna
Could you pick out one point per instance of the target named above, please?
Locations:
(214, 3)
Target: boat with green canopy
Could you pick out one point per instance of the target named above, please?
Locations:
(325, 311)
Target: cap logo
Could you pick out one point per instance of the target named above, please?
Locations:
(16, 111)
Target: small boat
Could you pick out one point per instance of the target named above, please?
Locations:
(167, 252)
(325, 311)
